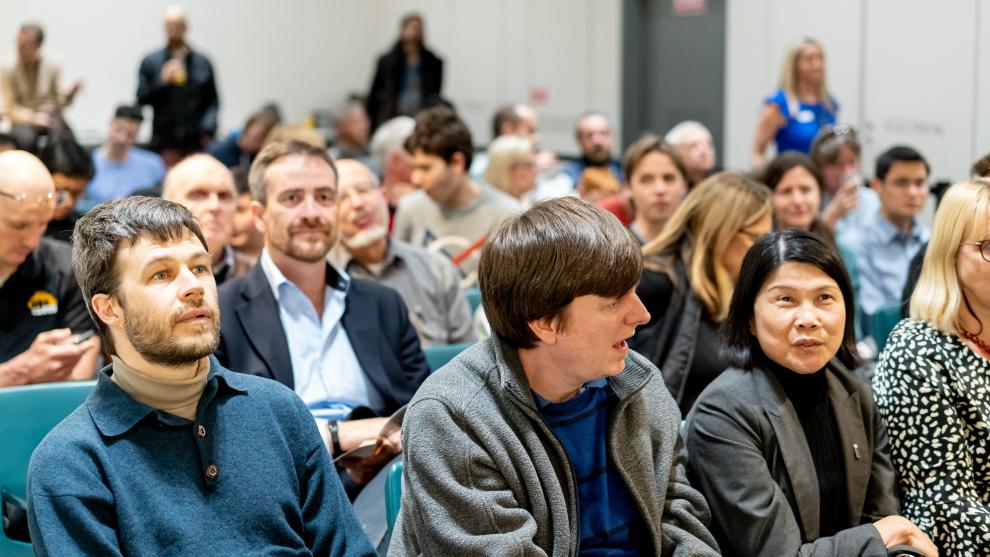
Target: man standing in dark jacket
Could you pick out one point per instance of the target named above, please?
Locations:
(178, 83)
(407, 77)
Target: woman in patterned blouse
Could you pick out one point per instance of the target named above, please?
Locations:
(933, 381)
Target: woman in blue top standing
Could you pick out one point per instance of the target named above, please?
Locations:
(800, 107)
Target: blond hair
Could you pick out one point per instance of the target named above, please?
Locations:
(502, 154)
(962, 216)
(701, 229)
(788, 77)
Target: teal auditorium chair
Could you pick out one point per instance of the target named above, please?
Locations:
(393, 494)
(27, 414)
(438, 356)
(881, 323)
(473, 296)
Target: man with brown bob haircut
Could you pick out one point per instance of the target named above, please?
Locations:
(551, 437)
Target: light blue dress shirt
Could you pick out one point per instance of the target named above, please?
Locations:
(112, 180)
(883, 254)
(325, 369)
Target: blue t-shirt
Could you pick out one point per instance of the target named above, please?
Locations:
(141, 169)
(610, 522)
(802, 126)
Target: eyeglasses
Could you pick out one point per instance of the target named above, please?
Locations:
(838, 129)
(60, 197)
(984, 248)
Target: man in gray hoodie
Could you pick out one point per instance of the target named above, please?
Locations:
(551, 437)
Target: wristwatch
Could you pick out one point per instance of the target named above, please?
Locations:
(334, 428)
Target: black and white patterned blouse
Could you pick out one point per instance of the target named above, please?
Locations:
(933, 392)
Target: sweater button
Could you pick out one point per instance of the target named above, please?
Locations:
(200, 431)
(212, 472)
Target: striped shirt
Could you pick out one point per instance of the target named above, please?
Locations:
(610, 523)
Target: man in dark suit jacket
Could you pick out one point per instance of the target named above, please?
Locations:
(407, 78)
(375, 318)
(178, 82)
(345, 346)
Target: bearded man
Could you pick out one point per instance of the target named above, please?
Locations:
(427, 281)
(172, 454)
(344, 345)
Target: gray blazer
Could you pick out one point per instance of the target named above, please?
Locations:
(485, 475)
(748, 455)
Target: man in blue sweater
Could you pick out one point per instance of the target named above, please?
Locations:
(172, 454)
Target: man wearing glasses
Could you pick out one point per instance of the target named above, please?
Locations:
(43, 318)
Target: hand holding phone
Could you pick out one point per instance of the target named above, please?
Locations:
(80, 338)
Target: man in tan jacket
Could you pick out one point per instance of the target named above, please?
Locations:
(31, 95)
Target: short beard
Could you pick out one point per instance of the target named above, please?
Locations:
(155, 340)
(309, 252)
(364, 238)
(598, 157)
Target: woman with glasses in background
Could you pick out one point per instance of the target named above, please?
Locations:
(932, 382)
(847, 202)
(689, 272)
(800, 107)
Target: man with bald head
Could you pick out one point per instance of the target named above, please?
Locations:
(42, 312)
(427, 282)
(205, 186)
(178, 83)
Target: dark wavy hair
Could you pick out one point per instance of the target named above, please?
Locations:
(739, 347)
(440, 132)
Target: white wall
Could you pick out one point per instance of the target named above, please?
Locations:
(310, 54)
(904, 71)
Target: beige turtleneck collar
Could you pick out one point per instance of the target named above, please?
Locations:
(178, 397)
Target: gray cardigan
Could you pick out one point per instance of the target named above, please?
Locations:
(485, 475)
(750, 458)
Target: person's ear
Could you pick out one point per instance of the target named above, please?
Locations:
(108, 310)
(875, 184)
(258, 210)
(545, 329)
(457, 162)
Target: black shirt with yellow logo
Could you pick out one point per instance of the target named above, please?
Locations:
(41, 295)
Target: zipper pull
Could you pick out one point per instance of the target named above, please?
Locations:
(856, 451)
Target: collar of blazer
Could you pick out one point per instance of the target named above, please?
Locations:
(856, 450)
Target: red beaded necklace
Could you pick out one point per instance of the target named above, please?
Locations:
(976, 340)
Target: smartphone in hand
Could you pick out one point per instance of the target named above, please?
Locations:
(80, 338)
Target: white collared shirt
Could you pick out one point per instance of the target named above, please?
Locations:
(325, 369)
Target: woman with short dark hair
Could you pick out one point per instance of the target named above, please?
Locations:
(786, 445)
